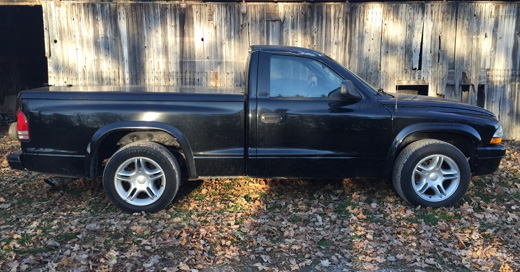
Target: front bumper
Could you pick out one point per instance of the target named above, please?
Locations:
(15, 160)
(487, 159)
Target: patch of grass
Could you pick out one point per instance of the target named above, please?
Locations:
(376, 218)
(479, 190)
(96, 209)
(229, 185)
(485, 197)
(199, 196)
(65, 237)
(4, 214)
(341, 208)
(5, 242)
(116, 235)
(24, 201)
(76, 193)
(323, 243)
(249, 197)
(235, 208)
(275, 240)
(273, 207)
(294, 218)
(517, 195)
(449, 216)
(34, 250)
(432, 217)
(89, 239)
(182, 213)
(43, 199)
(26, 239)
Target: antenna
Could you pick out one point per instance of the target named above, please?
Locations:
(396, 96)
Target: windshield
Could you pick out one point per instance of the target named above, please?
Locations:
(368, 86)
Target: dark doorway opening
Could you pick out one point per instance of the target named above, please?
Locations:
(413, 89)
(481, 96)
(23, 64)
(465, 88)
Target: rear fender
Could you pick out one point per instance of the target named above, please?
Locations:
(101, 134)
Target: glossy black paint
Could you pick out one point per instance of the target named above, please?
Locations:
(66, 125)
(418, 117)
(15, 161)
(234, 132)
(316, 137)
(487, 159)
(102, 134)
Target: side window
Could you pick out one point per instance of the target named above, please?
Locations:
(301, 77)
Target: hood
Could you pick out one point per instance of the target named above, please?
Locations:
(435, 104)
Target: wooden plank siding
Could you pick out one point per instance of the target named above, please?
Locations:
(465, 51)
(20, 2)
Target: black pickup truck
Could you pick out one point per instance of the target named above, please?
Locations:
(300, 115)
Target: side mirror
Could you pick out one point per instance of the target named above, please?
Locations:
(348, 90)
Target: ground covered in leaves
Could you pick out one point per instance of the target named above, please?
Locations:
(257, 224)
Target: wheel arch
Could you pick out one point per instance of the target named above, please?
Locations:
(462, 136)
(121, 133)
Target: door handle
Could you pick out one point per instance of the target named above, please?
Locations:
(270, 118)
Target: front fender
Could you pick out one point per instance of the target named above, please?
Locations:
(406, 134)
(101, 134)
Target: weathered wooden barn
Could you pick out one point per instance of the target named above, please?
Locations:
(462, 50)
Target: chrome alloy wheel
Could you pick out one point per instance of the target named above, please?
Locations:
(139, 181)
(436, 178)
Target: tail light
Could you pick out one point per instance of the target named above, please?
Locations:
(23, 127)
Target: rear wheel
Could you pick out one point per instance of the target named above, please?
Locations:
(431, 173)
(142, 176)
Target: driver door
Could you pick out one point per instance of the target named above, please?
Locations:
(304, 128)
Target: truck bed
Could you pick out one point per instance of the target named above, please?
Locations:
(59, 114)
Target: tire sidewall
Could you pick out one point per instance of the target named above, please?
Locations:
(171, 175)
(423, 152)
(13, 131)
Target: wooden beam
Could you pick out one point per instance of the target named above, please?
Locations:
(20, 3)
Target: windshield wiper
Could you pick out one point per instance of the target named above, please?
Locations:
(380, 92)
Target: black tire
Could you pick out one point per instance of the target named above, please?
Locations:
(13, 131)
(442, 185)
(149, 176)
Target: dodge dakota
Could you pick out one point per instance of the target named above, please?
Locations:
(300, 114)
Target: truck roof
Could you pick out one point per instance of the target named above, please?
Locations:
(286, 49)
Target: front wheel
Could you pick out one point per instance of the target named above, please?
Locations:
(431, 173)
(142, 176)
